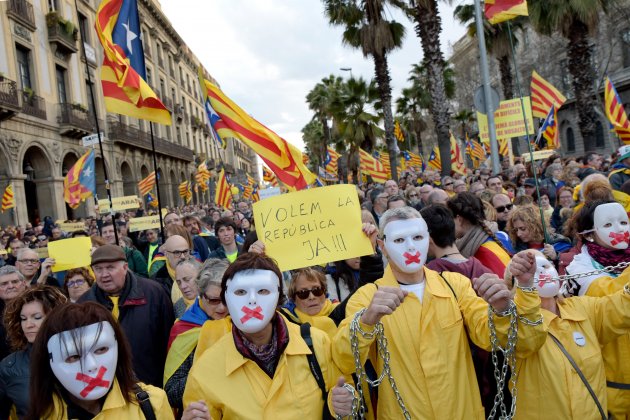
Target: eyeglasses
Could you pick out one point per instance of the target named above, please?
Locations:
(501, 209)
(304, 294)
(31, 262)
(448, 184)
(413, 195)
(212, 300)
(179, 254)
(77, 282)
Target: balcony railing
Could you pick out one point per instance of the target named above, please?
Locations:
(62, 33)
(9, 100)
(74, 121)
(33, 105)
(22, 11)
(131, 136)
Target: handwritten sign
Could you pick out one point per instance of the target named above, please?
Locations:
(538, 155)
(71, 226)
(508, 120)
(147, 222)
(70, 253)
(312, 227)
(119, 204)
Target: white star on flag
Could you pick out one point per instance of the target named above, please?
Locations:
(130, 37)
(87, 172)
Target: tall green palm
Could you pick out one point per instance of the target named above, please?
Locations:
(320, 100)
(428, 26)
(464, 117)
(497, 42)
(313, 137)
(367, 28)
(574, 20)
(409, 110)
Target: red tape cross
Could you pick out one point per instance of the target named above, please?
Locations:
(93, 382)
(618, 238)
(412, 258)
(251, 313)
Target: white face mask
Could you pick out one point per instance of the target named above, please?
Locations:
(610, 223)
(407, 244)
(545, 271)
(86, 368)
(251, 297)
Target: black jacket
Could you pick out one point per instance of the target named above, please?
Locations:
(14, 381)
(146, 317)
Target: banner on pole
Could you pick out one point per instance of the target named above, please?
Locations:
(539, 155)
(312, 227)
(119, 204)
(508, 120)
(147, 222)
(71, 226)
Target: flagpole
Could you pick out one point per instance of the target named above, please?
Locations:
(98, 131)
(529, 143)
(157, 181)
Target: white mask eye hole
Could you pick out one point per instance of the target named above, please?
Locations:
(607, 225)
(264, 292)
(73, 358)
(624, 222)
(398, 240)
(101, 350)
(240, 292)
(418, 238)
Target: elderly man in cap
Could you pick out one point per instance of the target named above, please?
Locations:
(621, 170)
(141, 306)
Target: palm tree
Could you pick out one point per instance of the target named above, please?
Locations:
(367, 28)
(313, 137)
(464, 117)
(574, 20)
(428, 27)
(497, 42)
(409, 109)
(320, 100)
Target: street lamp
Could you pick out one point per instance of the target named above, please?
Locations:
(347, 69)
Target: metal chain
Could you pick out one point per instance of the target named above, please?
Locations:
(355, 402)
(509, 361)
(610, 269)
(381, 346)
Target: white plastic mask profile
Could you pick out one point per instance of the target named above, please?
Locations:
(407, 243)
(84, 360)
(251, 297)
(610, 223)
(545, 271)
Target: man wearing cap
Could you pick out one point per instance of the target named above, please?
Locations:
(621, 170)
(141, 306)
(530, 187)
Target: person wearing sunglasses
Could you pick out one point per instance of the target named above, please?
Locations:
(76, 282)
(192, 328)
(503, 206)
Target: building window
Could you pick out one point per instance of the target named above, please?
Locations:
(570, 140)
(625, 45)
(60, 75)
(84, 27)
(179, 135)
(53, 5)
(173, 96)
(24, 66)
(599, 134)
(162, 88)
(149, 78)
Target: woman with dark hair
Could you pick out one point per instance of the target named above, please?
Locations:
(261, 370)
(476, 237)
(23, 318)
(81, 368)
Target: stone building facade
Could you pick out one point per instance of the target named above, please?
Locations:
(46, 107)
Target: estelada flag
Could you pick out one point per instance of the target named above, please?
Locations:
(123, 72)
(544, 96)
(284, 159)
(331, 160)
(370, 166)
(616, 113)
(80, 182)
(269, 176)
(223, 195)
(8, 199)
(498, 11)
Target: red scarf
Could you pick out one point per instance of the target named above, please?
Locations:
(606, 256)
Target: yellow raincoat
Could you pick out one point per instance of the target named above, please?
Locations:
(617, 352)
(430, 354)
(116, 408)
(211, 332)
(320, 320)
(235, 387)
(548, 386)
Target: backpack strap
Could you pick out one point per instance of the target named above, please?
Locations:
(144, 401)
(449, 285)
(305, 332)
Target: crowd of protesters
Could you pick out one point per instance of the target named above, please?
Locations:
(198, 322)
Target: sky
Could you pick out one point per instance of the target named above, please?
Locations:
(268, 54)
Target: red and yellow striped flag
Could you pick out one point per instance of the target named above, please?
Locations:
(284, 159)
(370, 166)
(223, 195)
(185, 191)
(498, 11)
(8, 198)
(331, 160)
(269, 176)
(124, 89)
(616, 113)
(434, 159)
(544, 96)
(146, 185)
(457, 158)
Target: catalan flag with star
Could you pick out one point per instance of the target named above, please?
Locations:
(284, 159)
(371, 166)
(544, 96)
(8, 198)
(123, 73)
(223, 195)
(331, 161)
(616, 113)
(269, 177)
(80, 182)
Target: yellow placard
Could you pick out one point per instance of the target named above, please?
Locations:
(119, 204)
(538, 155)
(508, 120)
(71, 226)
(42, 253)
(3, 252)
(147, 222)
(312, 227)
(70, 253)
